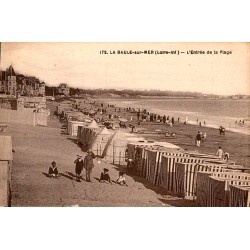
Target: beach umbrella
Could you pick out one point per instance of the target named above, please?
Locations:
(122, 120)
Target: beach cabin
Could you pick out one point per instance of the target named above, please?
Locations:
(73, 127)
(153, 157)
(213, 187)
(6, 159)
(239, 196)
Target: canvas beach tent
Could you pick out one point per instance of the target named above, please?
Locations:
(93, 125)
(115, 149)
(100, 141)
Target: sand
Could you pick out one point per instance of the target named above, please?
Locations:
(36, 147)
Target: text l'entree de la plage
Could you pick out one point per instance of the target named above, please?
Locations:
(165, 52)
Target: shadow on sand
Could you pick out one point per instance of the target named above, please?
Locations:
(46, 174)
(74, 140)
(179, 202)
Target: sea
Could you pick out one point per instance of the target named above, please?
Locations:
(215, 112)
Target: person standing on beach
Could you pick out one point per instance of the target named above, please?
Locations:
(173, 120)
(89, 164)
(79, 166)
(164, 119)
(198, 139)
(220, 153)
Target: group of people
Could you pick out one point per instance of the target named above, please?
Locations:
(105, 178)
(199, 123)
(88, 165)
(240, 122)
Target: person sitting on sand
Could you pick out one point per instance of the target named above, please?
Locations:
(173, 134)
(121, 179)
(53, 172)
(105, 178)
(226, 156)
(167, 134)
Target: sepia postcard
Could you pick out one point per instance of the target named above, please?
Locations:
(124, 124)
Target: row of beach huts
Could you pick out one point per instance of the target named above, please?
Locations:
(205, 179)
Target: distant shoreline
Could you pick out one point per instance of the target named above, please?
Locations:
(121, 104)
(167, 97)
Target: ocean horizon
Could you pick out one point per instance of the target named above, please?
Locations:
(215, 112)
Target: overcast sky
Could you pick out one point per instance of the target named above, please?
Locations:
(81, 65)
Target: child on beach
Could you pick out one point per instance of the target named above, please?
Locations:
(226, 156)
(121, 179)
(105, 178)
(53, 172)
(78, 167)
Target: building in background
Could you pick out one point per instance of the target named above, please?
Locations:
(63, 89)
(13, 84)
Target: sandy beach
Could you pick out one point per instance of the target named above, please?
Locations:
(36, 147)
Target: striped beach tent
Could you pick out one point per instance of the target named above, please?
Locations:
(202, 183)
(185, 176)
(153, 162)
(214, 167)
(239, 196)
(168, 168)
(216, 189)
(219, 190)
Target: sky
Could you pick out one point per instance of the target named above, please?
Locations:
(82, 65)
